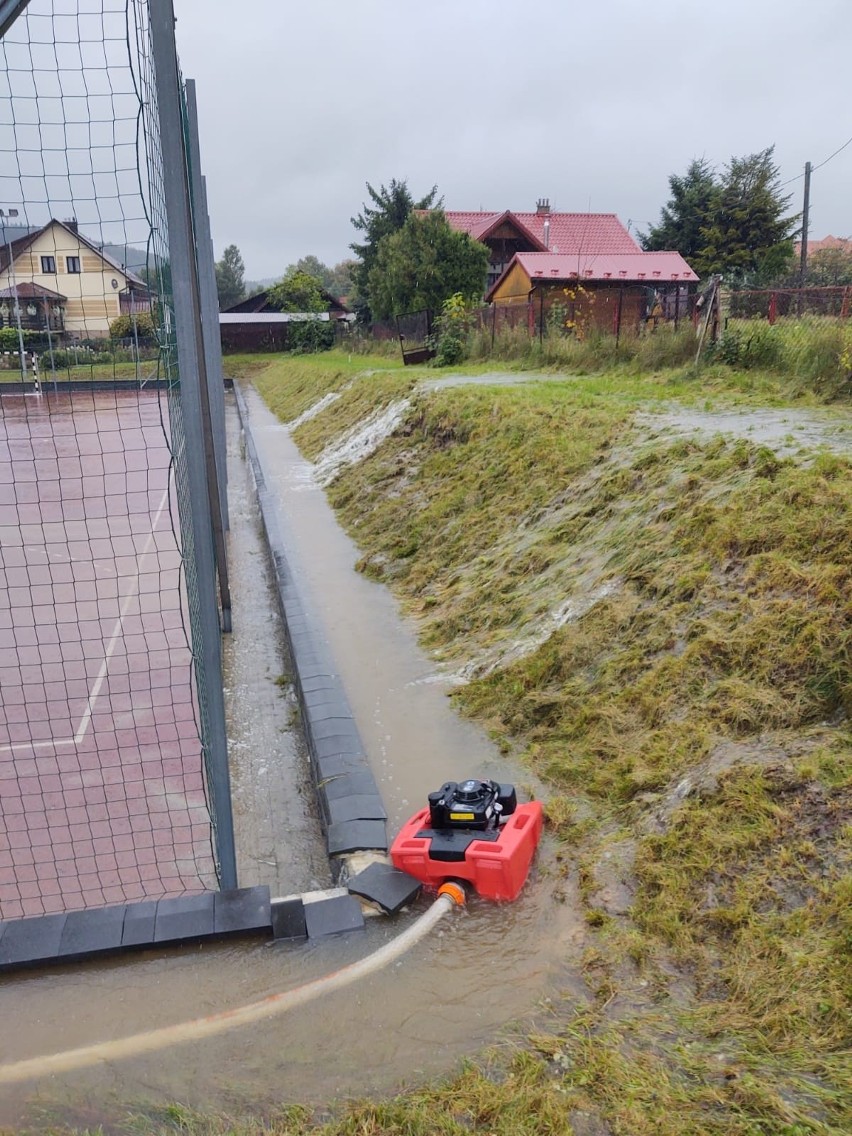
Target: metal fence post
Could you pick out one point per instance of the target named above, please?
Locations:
(208, 295)
(208, 655)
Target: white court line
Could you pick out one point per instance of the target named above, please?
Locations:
(85, 721)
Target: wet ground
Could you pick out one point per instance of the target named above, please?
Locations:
(484, 969)
(276, 827)
(787, 432)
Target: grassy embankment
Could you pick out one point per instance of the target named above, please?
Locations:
(691, 719)
(693, 723)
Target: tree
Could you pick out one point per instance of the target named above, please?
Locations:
(689, 211)
(749, 237)
(315, 267)
(297, 292)
(424, 263)
(230, 282)
(388, 213)
(342, 284)
(831, 266)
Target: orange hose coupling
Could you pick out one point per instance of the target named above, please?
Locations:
(455, 891)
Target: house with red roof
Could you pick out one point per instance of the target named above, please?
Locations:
(588, 263)
(611, 291)
(508, 233)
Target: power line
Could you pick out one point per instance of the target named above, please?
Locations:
(834, 155)
(819, 166)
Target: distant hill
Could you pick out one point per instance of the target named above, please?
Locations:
(133, 259)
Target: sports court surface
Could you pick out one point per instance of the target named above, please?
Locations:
(101, 777)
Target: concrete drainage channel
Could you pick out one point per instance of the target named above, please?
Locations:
(352, 811)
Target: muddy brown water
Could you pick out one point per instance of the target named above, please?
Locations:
(485, 971)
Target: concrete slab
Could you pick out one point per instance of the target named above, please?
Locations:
(387, 886)
(139, 922)
(363, 806)
(333, 916)
(35, 939)
(93, 931)
(242, 911)
(185, 917)
(288, 919)
(357, 836)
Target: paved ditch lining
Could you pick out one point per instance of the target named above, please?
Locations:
(351, 806)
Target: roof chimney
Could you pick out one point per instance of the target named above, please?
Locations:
(547, 234)
(542, 206)
(71, 224)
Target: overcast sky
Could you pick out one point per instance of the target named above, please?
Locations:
(592, 103)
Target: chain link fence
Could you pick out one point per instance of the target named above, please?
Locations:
(113, 580)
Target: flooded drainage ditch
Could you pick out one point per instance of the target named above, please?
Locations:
(487, 967)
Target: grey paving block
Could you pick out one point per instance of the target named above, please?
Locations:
(310, 669)
(338, 710)
(92, 931)
(339, 764)
(363, 806)
(31, 940)
(185, 917)
(139, 922)
(243, 910)
(349, 785)
(342, 727)
(333, 916)
(387, 886)
(356, 836)
(288, 919)
(320, 682)
(339, 743)
(330, 695)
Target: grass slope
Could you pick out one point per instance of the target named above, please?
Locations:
(693, 721)
(661, 628)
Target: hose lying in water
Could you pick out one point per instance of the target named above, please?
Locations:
(450, 896)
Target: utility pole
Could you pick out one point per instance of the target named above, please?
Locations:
(803, 264)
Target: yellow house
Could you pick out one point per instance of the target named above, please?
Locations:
(62, 281)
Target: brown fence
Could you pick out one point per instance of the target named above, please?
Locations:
(773, 304)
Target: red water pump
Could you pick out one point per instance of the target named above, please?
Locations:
(474, 831)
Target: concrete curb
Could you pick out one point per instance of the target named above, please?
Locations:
(351, 807)
(75, 936)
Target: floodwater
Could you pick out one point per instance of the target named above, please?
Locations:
(787, 432)
(485, 968)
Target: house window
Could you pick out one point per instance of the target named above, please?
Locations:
(48, 264)
(72, 263)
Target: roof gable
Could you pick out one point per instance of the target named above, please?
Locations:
(566, 233)
(20, 246)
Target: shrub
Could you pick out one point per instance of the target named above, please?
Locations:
(452, 329)
(309, 336)
(122, 328)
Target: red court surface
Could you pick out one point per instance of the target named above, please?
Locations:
(101, 784)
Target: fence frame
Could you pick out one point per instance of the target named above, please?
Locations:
(194, 394)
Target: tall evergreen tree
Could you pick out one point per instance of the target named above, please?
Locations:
(230, 278)
(687, 213)
(388, 213)
(749, 236)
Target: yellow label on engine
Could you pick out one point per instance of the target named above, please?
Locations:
(462, 816)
